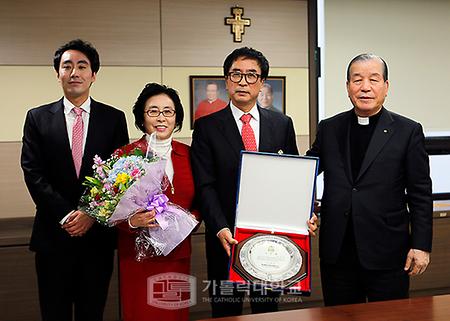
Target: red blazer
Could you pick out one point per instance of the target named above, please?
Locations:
(183, 195)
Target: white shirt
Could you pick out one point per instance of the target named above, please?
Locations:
(254, 121)
(71, 116)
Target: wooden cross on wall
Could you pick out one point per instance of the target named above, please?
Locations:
(237, 23)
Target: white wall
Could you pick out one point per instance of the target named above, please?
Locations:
(412, 36)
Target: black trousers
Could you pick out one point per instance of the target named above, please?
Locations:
(226, 298)
(348, 282)
(73, 284)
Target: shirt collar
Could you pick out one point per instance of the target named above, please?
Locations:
(369, 120)
(237, 113)
(68, 106)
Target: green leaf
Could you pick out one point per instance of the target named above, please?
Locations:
(138, 152)
(92, 181)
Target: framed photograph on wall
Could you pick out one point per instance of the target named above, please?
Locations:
(208, 95)
(273, 94)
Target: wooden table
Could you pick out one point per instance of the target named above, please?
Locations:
(433, 308)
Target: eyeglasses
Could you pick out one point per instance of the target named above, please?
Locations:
(250, 78)
(156, 112)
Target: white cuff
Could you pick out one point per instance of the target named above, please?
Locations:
(66, 217)
(225, 228)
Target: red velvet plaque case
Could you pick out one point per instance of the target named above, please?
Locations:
(275, 199)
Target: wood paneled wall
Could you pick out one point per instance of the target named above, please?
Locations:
(152, 32)
(15, 201)
(124, 32)
(198, 36)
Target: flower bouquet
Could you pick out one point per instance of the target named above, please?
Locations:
(126, 183)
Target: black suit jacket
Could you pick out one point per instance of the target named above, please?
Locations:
(50, 173)
(390, 196)
(215, 157)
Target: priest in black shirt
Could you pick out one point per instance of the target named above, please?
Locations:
(376, 213)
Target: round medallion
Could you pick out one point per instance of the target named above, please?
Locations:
(270, 258)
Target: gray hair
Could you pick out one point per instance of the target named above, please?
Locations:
(366, 57)
(268, 86)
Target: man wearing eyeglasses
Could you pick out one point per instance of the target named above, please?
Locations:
(217, 141)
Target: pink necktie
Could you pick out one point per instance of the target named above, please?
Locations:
(77, 139)
(248, 136)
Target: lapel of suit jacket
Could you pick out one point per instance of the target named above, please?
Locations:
(343, 137)
(230, 130)
(265, 131)
(59, 126)
(382, 133)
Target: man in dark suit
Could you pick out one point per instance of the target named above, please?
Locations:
(215, 150)
(376, 211)
(74, 255)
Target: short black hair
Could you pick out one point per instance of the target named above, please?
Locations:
(153, 89)
(248, 53)
(80, 45)
(366, 57)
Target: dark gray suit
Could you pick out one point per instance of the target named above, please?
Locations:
(215, 157)
(52, 182)
(389, 203)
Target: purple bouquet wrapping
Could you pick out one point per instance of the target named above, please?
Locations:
(175, 223)
(125, 184)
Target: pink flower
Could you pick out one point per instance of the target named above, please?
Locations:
(100, 172)
(98, 161)
(135, 173)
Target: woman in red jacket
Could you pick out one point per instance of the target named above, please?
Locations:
(157, 111)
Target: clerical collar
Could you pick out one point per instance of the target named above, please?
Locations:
(365, 121)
